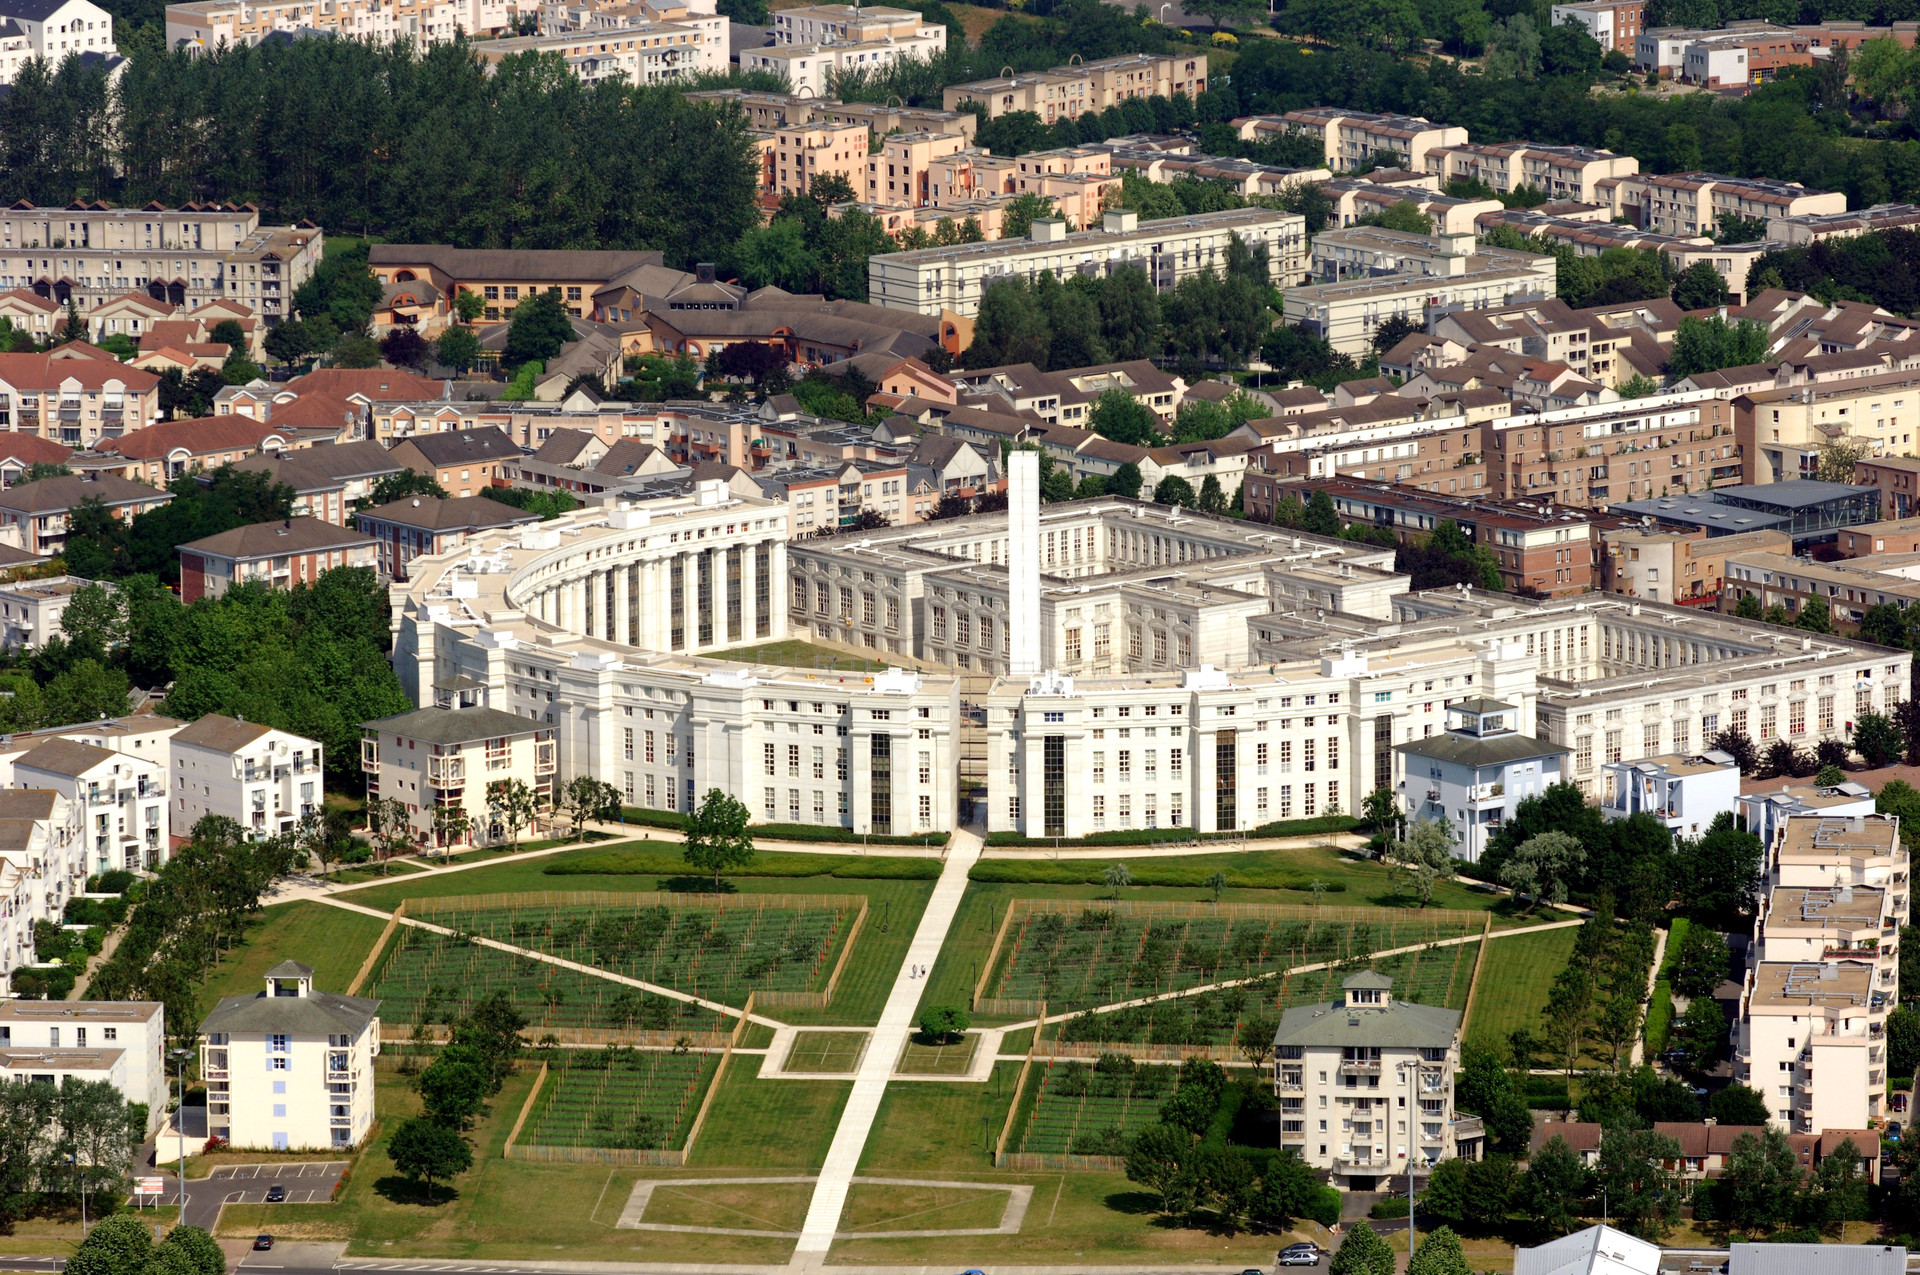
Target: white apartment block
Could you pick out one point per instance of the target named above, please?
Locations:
(813, 70)
(40, 867)
(120, 1041)
(1685, 793)
(118, 799)
(1823, 971)
(290, 1068)
(1365, 1084)
(434, 758)
(186, 257)
(643, 51)
(1765, 813)
(210, 24)
(851, 24)
(1347, 313)
(1476, 773)
(933, 280)
(263, 779)
(1351, 139)
(1065, 92)
(1686, 204)
(1561, 172)
(52, 30)
(31, 610)
(1614, 24)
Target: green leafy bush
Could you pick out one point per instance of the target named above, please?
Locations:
(1176, 836)
(1049, 872)
(668, 863)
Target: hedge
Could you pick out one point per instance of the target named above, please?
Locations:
(1676, 935)
(1179, 836)
(1088, 872)
(661, 863)
(1544, 1093)
(1389, 1206)
(1659, 1018)
(783, 831)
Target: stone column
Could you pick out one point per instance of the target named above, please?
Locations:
(749, 583)
(690, 598)
(777, 591)
(622, 605)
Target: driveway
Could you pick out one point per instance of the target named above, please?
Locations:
(311, 1183)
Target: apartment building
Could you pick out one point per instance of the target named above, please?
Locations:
(1781, 431)
(816, 68)
(1066, 92)
(1823, 971)
(51, 30)
(203, 25)
(1848, 587)
(919, 168)
(31, 610)
(93, 253)
(1898, 478)
(1894, 536)
(264, 779)
(931, 281)
(406, 529)
(290, 1068)
(1615, 24)
(1347, 313)
(1664, 49)
(590, 283)
(1351, 139)
(129, 1037)
(119, 799)
(767, 111)
(76, 402)
(33, 516)
(1365, 1084)
(423, 759)
(852, 24)
(640, 51)
(1766, 812)
(1811, 228)
(1560, 172)
(796, 155)
(1476, 772)
(1682, 566)
(1686, 793)
(1692, 203)
(279, 555)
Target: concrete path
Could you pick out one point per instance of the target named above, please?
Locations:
(1653, 976)
(876, 1066)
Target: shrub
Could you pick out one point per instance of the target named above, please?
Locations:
(1659, 1018)
(1388, 1206)
(665, 863)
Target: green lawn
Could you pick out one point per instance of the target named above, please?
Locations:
(769, 1126)
(825, 1051)
(894, 911)
(920, 1059)
(794, 653)
(886, 1207)
(1514, 981)
(332, 940)
(926, 1129)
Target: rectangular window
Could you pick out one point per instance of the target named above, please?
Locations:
(880, 775)
(1797, 717)
(1260, 759)
(1583, 752)
(627, 733)
(1226, 755)
(1613, 745)
(1649, 739)
(1306, 754)
(1769, 721)
(819, 762)
(1826, 714)
(771, 755)
(1124, 765)
(1286, 801)
(1176, 815)
(1073, 646)
(1099, 768)
(1176, 762)
(1053, 790)
(793, 760)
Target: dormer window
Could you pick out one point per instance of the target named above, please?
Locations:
(1362, 996)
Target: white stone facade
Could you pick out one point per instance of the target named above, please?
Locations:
(290, 1068)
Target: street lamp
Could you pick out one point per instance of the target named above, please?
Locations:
(1412, 1071)
(180, 1056)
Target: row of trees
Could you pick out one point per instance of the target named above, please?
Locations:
(454, 1090)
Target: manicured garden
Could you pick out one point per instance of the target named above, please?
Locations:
(1514, 997)
(621, 1098)
(1090, 1108)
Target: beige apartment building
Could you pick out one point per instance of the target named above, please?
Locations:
(198, 253)
(852, 24)
(794, 156)
(211, 24)
(1561, 172)
(812, 70)
(1350, 139)
(901, 173)
(642, 52)
(1781, 430)
(1823, 971)
(1687, 204)
(290, 1068)
(435, 758)
(1676, 566)
(1066, 91)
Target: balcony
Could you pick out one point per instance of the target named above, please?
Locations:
(1290, 1082)
(1354, 1067)
(1293, 1137)
(1487, 795)
(447, 772)
(1363, 1164)
(544, 762)
(370, 755)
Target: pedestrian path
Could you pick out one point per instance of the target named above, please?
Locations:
(876, 1066)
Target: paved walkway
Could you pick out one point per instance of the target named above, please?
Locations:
(876, 1066)
(1653, 976)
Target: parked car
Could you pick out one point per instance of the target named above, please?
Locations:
(276, 1193)
(261, 1243)
(1300, 1255)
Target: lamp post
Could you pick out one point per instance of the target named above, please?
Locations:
(180, 1056)
(1413, 1115)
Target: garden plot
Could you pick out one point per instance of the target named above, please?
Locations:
(1071, 956)
(620, 1098)
(1082, 1108)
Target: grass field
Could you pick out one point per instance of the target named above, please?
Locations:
(425, 977)
(1084, 1109)
(765, 1206)
(1102, 956)
(769, 1126)
(895, 908)
(925, 1059)
(332, 940)
(1514, 985)
(794, 653)
(873, 1206)
(719, 951)
(823, 1051)
(926, 1129)
(984, 906)
(620, 1098)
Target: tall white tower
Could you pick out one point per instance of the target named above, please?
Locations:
(1023, 563)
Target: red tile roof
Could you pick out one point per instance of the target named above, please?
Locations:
(45, 372)
(381, 384)
(200, 436)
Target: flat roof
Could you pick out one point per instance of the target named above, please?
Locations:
(1841, 836)
(1826, 907)
(1807, 984)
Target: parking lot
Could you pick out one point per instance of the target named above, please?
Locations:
(249, 1183)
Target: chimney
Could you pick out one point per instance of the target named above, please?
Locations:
(1120, 221)
(703, 272)
(1048, 230)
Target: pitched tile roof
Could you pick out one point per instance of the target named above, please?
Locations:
(200, 436)
(270, 539)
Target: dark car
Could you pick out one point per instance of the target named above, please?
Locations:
(276, 1193)
(262, 1242)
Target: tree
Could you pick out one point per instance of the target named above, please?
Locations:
(1641, 1191)
(1118, 415)
(511, 804)
(458, 348)
(1707, 345)
(1319, 516)
(389, 828)
(1118, 877)
(1700, 1037)
(1423, 856)
(1405, 215)
(717, 836)
(1735, 743)
(1738, 1105)
(119, 1245)
(1556, 1180)
(1699, 287)
(1210, 500)
(1393, 329)
(1722, 870)
(189, 1250)
(1898, 797)
(355, 349)
(453, 1088)
(468, 305)
(1829, 775)
(423, 1150)
(1361, 1252)
(540, 326)
(943, 1024)
(1542, 867)
(1877, 740)
(1255, 1036)
(1125, 481)
(1700, 964)
(490, 1035)
(1157, 1159)
(588, 799)
(452, 826)
(1903, 1041)
(1487, 1089)
(1839, 456)
(1173, 490)
(1815, 616)
(1757, 1188)
(1439, 1254)
(755, 361)
(402, 486)
(288, 341)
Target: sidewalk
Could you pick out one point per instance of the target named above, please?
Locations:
(883, 1049)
